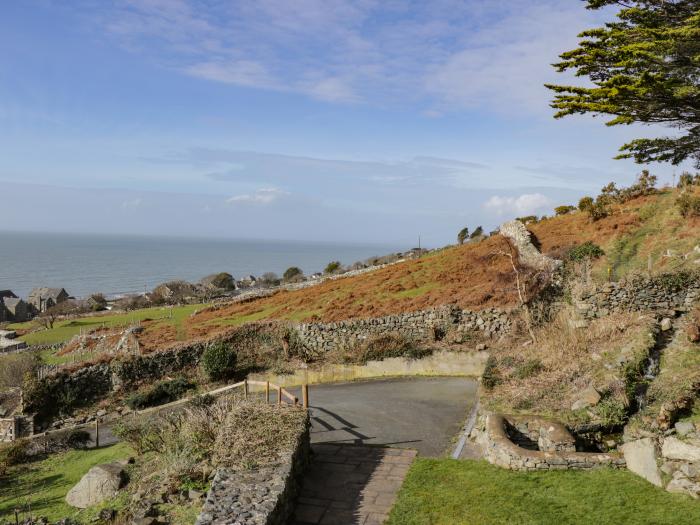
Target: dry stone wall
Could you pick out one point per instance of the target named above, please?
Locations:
(659, 293)
(554, 446)
(419, 326)
(263, 496)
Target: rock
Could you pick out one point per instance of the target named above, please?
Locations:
(101, 413)
(689, 470)
(640, 456)
(578, 323)
(588, 398)
(666, 324)
(683, 428)
(195, 495)
(100, 483)
(107, 515)
(480, 347)
(669, 468)
(682, 485)
(674, 448)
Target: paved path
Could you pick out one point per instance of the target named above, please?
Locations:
(353, 485)
(425, 414)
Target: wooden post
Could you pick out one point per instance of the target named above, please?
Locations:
(97, 432)
(245, 389)
(305, 395)
(279, 395)
(267, 392)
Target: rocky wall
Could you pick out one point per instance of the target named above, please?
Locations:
(493, 434)
(661, 293)
(426, 325)
(263, 496)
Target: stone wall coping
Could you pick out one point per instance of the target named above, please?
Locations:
(495, 428)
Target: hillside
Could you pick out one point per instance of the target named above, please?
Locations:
(472, 276)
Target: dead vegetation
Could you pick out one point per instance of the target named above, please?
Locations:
(548, 376)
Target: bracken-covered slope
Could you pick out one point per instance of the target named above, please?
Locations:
(473, 276)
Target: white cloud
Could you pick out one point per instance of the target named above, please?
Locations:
(443, 55)
(261, 196)
(131, 203)
(526, 204)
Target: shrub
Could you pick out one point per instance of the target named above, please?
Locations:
(15, 368)
(611, 411)
(478, 232)
(221, 281)
(269, 279)
(491, 377)
(462, 235)
(161, 393)
(332, 267)
(13, 453)
(527, 219)
(389, 345)
(688, 205)
(529, 368)
(599, 210)
(97, 302)
(292, 274)
(219, 361)
(587, 250)
(563, 210)
(585, 204)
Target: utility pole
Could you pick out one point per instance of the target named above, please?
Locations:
(418, 241)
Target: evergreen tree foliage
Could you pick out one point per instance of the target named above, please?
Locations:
(645, 68)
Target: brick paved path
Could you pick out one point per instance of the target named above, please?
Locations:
(351, 485)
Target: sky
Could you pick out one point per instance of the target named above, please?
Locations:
(358, 121)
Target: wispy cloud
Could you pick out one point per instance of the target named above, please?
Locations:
(261, 196)
(442, 55)
(526, 204)
(131, 203)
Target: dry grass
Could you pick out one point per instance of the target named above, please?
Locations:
(549, 375)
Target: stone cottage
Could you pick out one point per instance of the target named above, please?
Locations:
(42, 299)
(12, 308)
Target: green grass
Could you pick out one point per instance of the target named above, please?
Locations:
(64, 330)
(43, 485)
(450, 492)
(416, 292)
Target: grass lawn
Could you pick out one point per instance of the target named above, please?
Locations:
(64, 330)
(43, 485)
(451, 492)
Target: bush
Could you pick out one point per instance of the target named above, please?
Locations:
(332, 267)
(563, 210)
(13, 453)
(587, 250)
(598, 210)
(161, 393)
(292, 274)
(219, 361)
(15, 368)
(97, 302)
(462, 235)
(478, 232)
(527, 219)
(269, 279)
(221, 281)
(491, 377)
(585, 204)
(688, 205)
(529, 369)
(389, 345)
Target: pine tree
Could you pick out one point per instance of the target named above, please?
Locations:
(462, 235)
(645, 68)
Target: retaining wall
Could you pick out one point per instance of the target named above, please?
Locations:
(657, 293)
(426, 325)
(263, 496)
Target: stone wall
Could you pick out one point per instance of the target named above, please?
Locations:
(558, 454)
(426, 325)
(659, 293)
(263, 496)
(528, 254)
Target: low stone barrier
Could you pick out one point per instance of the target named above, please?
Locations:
(425, 325)
(264, 496)
(659, 293)
(558, 444)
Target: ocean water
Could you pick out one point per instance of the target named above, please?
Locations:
(113, 265)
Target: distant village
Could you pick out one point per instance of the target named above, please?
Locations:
(17, 310)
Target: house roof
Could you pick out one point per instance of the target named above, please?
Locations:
(47, 293)
(11, 302)
(7, 293)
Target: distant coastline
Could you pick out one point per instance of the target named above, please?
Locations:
(118, 265)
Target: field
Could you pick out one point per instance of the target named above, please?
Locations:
(450, 492)
(42, 485)
(473, 276)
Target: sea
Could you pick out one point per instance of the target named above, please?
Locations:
(125, 264)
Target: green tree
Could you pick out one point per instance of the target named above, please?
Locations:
(644, 67)
(478, 232)
(293, 273)
(333, 267)
(462, 235)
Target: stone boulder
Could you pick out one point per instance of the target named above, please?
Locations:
(640, 456)
(674, 448)
(588, 398)
(680, 484)
(99, 484)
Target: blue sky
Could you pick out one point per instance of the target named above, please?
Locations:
(365, 120)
